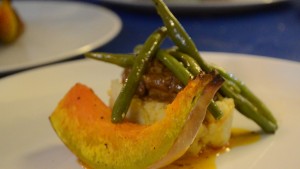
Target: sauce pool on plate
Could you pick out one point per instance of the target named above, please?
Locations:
(207, 159)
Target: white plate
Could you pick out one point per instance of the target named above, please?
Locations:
(27, 99)
(198, 5)
(57, 30)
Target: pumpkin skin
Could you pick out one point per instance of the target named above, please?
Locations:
(83, 123)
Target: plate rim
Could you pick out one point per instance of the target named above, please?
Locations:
(204, 53)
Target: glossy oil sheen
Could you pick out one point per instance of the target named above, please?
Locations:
(207, 159)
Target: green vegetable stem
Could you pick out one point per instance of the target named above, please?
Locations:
(123, 60)
(145, 55)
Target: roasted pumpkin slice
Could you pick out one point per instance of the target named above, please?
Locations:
(83, 122)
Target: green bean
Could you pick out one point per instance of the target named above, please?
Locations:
(215, 110)
(123, 60)
(249, 110)
(137, 48)
(188, 62)
(232, 85)
(176, 67)
(178, 34)
(145, 55)
(245, 91)
(195, 69)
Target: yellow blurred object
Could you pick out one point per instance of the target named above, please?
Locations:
(11, 26)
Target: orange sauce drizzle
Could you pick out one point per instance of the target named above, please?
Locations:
(207, 159)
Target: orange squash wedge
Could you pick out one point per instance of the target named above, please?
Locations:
(83, 123)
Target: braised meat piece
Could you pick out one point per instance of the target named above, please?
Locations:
(158, 83)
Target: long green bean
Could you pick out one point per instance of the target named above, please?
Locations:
(249, 110)
(245, 91)
(178, 34)
(175, 66)
(195, 69)
(145, 55)
(123, 60)
(188, 62)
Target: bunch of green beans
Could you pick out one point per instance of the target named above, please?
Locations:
(185, 62)
(246, 102)
(232, 87)
(180, 67)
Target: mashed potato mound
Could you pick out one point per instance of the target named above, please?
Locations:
(212, 133)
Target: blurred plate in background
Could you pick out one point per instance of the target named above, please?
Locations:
(200, 5)
(57, 30)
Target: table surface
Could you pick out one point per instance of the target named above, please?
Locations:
(272, 30)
